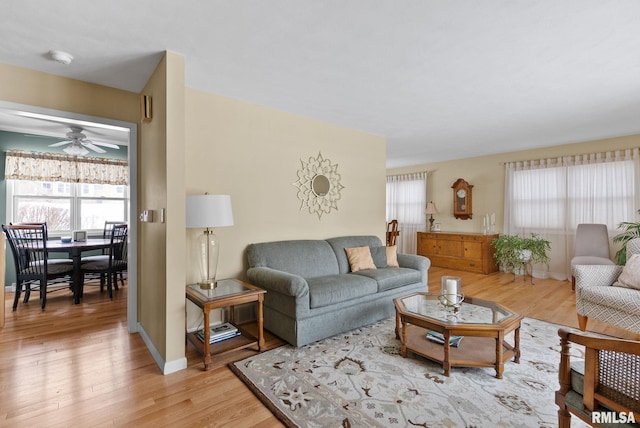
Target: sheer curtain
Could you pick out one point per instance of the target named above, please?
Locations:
(406, 202)
(551, 197)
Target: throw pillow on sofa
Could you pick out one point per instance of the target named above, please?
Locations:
(392, 256)
(359, 258)
(630, 276)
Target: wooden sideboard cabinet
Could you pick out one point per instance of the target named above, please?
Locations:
(470, 252)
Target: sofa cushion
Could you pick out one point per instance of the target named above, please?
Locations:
(339, 244)
(390, 278)
(379, 256)
(630, 276)
(332, 289)
(359, 258)
(305, 258)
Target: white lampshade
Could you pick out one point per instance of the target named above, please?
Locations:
(431, 208)
(209, 211)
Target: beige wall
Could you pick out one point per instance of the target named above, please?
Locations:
(161, 186)
(486, 174)
(23, 86)
(152, 195)
(175, 218)
(253, 153)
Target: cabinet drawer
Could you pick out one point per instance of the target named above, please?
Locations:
(472, 250)
(466, 265)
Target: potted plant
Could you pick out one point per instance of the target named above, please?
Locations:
(631, 230)
(512, 252)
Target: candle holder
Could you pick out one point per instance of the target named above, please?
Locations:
(451, 296)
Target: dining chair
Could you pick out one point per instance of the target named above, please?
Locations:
(392, 232)
(37, 223)
(34, 268)
(110, 264)
(106, 234)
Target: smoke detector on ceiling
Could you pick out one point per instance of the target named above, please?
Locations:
(62, 57)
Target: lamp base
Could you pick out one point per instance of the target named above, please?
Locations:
(210, 285)
(431, 220)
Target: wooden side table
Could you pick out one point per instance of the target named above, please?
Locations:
(227, 293)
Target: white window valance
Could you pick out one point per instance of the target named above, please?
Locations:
(20, 165)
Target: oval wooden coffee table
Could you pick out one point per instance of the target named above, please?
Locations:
(484, 325)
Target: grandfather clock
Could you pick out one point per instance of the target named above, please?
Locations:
(462, 199)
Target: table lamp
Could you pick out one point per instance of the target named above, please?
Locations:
(208, 211)
(431, 210)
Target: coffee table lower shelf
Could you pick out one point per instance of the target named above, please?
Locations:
(471, 352)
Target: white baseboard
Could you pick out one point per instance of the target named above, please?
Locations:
(167, 367)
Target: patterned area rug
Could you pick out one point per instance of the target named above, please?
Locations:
(359, 379)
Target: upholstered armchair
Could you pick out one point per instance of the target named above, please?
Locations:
(604, 385)
(592, 247)
(599, 294)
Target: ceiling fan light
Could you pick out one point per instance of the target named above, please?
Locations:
(75, 150)
(61, 57)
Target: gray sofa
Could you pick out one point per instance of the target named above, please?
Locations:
(312, 293)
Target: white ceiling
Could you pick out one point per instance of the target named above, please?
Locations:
(439, 79)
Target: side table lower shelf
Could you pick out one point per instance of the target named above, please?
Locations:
(242, 341)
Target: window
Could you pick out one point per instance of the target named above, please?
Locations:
(66, 206)
(406, 202)
(561, 197)
(551, 197)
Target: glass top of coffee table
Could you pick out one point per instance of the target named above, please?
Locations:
(471, 310)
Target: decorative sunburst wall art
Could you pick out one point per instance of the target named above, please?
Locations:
(318, 185)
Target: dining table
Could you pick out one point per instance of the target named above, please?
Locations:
(75, 250)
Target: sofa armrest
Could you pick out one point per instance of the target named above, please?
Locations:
(595, 275)
(413, 261)
(278, 281)
(419, 263)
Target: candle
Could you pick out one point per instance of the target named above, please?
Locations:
(450, 292)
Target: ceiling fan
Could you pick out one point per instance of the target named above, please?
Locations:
(78, 143)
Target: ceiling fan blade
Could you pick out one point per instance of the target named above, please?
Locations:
(93, 147)
(60, 143)
(111, 146)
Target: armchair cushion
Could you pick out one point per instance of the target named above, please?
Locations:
(630, 276)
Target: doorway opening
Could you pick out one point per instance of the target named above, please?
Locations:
(56, 123)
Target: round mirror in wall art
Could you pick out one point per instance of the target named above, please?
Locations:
(318, 185)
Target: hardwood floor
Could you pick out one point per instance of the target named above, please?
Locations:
(76, 365)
